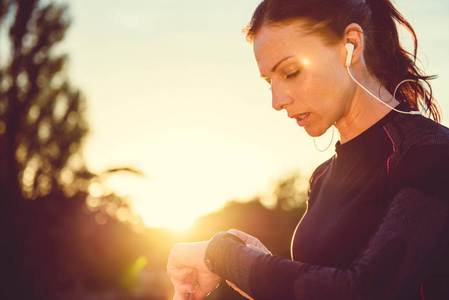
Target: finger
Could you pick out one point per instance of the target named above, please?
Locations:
(199, 294)
(180, 296)
(244, 236)
(250, 240)
(185, 288)
(187, 285)
(258, 244)
(179, 273)
(182, 287)
(182, 290)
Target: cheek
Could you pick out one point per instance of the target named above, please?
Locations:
(316, 89)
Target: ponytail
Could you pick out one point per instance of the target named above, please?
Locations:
(384, 55)
(391, 63)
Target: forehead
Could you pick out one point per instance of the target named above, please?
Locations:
(272, 43)
(270, 36)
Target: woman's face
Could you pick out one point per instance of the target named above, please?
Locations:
(308, 78)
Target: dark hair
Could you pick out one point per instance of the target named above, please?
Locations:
(384, 55)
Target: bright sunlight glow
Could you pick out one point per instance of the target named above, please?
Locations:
(190, 177)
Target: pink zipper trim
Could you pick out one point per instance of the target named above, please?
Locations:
(325, 170)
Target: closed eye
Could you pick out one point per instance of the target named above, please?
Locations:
(267, 79)
(293, 75)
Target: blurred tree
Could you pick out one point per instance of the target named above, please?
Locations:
(40, 123)
(290, 192)
(49, 244)
(41, 115)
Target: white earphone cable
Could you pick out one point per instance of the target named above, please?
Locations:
(394, 95)
(330, 143)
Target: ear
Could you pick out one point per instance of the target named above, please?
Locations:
(354, 35)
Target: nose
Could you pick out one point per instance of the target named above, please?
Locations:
(280, 98)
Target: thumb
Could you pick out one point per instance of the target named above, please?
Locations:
(199, 294)
(180, 296)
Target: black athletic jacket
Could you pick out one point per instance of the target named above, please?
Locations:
(377, 224)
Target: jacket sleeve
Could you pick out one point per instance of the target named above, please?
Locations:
(395, 262)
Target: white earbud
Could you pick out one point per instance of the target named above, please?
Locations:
(350, 50)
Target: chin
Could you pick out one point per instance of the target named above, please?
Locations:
(314, 132)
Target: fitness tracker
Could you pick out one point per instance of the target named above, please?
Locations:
(214, 243)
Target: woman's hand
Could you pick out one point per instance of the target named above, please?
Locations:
(251, 242)
(186, 267)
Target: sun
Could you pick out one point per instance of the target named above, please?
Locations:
(162, 204)
(166, 217)
(166, 203)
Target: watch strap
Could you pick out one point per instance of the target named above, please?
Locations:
(213, 245)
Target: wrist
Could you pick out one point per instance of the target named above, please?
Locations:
(214, 243)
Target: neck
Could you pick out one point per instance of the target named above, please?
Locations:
(364, 110)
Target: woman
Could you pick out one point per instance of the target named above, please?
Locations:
(377, 224)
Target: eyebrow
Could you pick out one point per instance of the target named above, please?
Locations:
(279, 62)
(277, 65)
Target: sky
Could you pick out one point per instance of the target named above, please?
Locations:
(173, 90)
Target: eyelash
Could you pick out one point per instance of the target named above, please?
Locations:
(288, 76)
(269, 82)
(292, 75)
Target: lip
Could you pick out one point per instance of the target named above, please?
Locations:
(299, 121)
